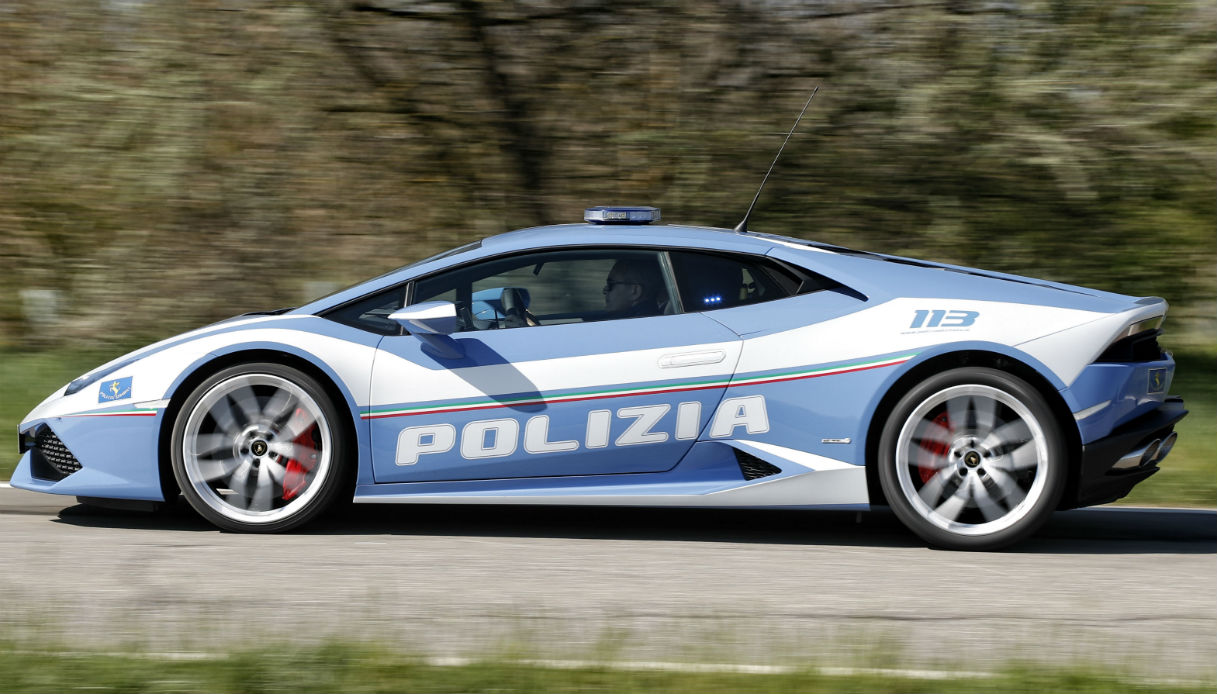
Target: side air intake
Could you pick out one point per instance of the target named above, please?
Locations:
(753, 467)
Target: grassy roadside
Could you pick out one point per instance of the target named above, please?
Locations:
(358, 667)
(1188, 477)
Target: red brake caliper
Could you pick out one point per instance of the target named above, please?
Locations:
(296, 477)
(937, 449)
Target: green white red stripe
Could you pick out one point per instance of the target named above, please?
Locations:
(815, 373)
(643, 390)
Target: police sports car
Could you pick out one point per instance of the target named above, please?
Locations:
(622, 362)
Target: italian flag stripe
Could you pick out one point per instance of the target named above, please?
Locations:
(648, 390)
(118, 413)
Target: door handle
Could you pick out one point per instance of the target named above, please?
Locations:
(672, 361)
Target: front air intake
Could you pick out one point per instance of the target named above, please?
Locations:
(753, 467)
(50, 459)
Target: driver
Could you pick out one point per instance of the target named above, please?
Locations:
(631, 289)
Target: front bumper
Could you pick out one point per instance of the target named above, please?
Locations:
(1099, 480)
(115, 456)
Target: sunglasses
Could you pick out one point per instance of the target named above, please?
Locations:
(608, 285)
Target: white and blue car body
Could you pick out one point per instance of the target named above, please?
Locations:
(763, 372)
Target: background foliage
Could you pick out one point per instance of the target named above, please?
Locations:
(164, 164)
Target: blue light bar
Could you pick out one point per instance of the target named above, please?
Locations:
(613, 214)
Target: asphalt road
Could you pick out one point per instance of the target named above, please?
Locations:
(1134, 589)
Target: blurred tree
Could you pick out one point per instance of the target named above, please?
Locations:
(166, 163)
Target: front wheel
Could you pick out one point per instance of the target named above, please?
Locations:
(259, 448)
(972, 458)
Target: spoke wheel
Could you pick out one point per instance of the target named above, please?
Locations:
(972, 459)
(259, 448)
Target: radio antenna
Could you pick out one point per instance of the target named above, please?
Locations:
(743, 225)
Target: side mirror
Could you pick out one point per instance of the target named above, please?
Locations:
(427, 318)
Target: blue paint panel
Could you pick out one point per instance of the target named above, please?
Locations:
(602, 394)
(568, 421)
(784, 314)
(890, 375)
(117, 456)
(488, 365)
(625, 234)
(709, 467)
(804, 412)
(1127, 386)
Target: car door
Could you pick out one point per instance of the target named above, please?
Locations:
(785, 316)
(540, 379)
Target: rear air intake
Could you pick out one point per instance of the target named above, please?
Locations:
(50, 459)
(1141, 347)
(753, 467)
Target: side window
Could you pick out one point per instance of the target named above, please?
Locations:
(371, 312)
(553, 287)
(708, 281)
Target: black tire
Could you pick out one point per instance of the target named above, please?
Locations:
(260, 448)
(972, 459)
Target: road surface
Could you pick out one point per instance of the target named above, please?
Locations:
(1133, 589)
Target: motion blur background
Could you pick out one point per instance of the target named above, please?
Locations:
(168, 163)
(164, 164)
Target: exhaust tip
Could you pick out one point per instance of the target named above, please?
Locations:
(1165, 447)
(1151, 452)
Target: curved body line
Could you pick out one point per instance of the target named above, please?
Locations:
(623, 392)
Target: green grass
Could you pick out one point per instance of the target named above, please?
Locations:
(360, 667)
(1188, 476)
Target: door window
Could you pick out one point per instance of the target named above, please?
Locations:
(552, 288)
(710, 281)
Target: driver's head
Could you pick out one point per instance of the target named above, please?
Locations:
(631, 284)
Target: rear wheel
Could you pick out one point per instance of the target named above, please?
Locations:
(972, 459)
(259, 448)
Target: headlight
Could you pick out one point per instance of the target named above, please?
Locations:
(95, 376)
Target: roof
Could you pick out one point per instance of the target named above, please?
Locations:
(624, 234)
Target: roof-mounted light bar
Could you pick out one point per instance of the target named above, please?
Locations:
(615, 214)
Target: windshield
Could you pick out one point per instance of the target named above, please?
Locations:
(444, 254)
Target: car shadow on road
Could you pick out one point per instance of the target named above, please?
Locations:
(609, 523)
(1105, 530)
(1126, 530)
